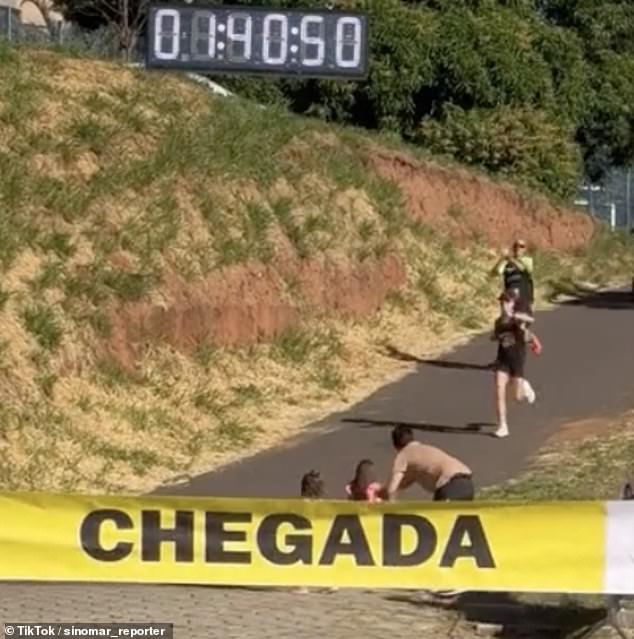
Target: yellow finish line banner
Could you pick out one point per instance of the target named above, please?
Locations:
(558, 547)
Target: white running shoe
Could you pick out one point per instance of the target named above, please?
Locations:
(529, 393)
(502, 431)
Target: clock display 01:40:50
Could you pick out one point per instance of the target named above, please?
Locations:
(207, 35)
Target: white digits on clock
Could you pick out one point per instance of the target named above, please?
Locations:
(245, 37)
(307, 40)
(208, 37)
(161, 34)
(282, 39)
(355, 44)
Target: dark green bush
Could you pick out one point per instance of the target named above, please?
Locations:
(513, 142)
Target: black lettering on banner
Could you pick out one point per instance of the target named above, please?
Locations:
(426, 540)
(302, 545)
(152, 535)
(91, 527)
(217, 536)
(478, 548)
(357, 546)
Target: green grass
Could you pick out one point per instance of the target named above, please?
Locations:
(594, 468)
(367, 230)
(152, 420)
(401, 300)
(389, 200)
(256, 224)
(426, 283)
(65, 198)
(4, 298)
(151, 232)
(42, 322)
(128, 286)
(204, 355)
(4, 352)
(283, 211)
(208, 401)
(247, 394)
(51, 276)
(112, 375)
(100, 282)
(100, 322)
(47, 382)
(293, 346)
(58, 243)
(141, 461)
(329, 378)
(455, 212)
(19, 97)
(90, 133)
(126, 107)
(232, 434)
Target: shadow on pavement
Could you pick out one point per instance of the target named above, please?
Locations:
(438, 363)
(610, 300)
(472, 428)
(557, 620)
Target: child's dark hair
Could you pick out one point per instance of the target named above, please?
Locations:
(364, 475)
(312, 485)
(401, 436)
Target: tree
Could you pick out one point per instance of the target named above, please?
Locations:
(127, 18)
(46, 9)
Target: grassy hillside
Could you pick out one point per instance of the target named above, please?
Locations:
(186, 278)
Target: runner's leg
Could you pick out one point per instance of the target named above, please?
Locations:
(457, 489)
(519, 391)
(501, 382)
(529, 392)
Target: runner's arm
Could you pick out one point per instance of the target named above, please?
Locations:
(395, 483)
(524, 264)
(498, 269)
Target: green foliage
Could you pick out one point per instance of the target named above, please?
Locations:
(42, 322)
(568, 63)
(519, 143)
(58, 243)
(606, 133)
(485, 57)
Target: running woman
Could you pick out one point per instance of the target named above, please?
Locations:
(512, 334)
(516, 268)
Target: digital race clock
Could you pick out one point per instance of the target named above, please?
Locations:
(257, 40)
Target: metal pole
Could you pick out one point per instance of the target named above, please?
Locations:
(9, 23)
(628, 211)
(612, 216)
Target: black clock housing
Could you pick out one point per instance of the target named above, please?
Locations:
(257, 40)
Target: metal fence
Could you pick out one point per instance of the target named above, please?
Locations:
(612, 200)
(9, 22)
(102, 42)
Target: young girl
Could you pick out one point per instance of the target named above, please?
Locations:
(364, 486)
(512, 334)
(312, 486)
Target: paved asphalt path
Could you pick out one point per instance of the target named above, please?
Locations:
(586, 370)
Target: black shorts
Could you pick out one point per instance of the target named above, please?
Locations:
(458, 488)
(511, 360)
(524, 305)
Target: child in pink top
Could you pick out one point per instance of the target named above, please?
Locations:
(364, 486)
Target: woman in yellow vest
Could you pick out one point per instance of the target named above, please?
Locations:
(516, 268)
